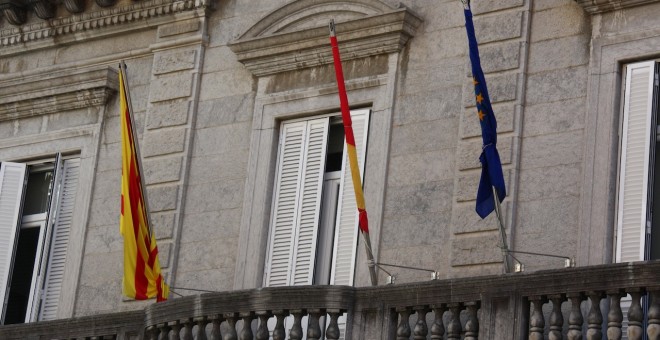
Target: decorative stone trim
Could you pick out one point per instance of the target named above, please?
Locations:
(271, 46)
(14, 11)
(137, 11)
(44, 94)
(603, 6)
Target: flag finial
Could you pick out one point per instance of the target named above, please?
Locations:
(332, 28)
(466, 4)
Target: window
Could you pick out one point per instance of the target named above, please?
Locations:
(36, 208)
(638, 218)
(313, 230)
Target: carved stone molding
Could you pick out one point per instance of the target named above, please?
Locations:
(290, 37)
(74, 6)
(603, 6)
(63, 91)
(44, 9)
(144, 12)
(14, 11)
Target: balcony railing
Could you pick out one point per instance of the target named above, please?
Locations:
(574, 303)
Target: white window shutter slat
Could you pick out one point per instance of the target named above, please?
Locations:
(310, 202)
(283, 220)
(12, 187)
(635, 146)
(346, 229)
(60, 239)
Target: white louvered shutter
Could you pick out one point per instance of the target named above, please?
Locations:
(12, 187)
(635, 146)
(632, 213)
(289, 164)
(41, 258)
(299, 177)
(346, 229)
(60, 239)
(310, 202)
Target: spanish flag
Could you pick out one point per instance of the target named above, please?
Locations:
(142, 276)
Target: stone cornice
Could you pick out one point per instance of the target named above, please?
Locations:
(44, 94)
(363, 37)
(603, 6)
(144, 13)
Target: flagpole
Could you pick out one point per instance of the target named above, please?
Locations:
(350, 145)
(500, 222)
(143, 187)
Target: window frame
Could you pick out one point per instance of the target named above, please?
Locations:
(47, 224)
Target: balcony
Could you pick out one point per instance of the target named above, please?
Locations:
(574, 303)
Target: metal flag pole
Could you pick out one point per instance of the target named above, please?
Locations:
(350, 145)
(123, 70)
(500, 222)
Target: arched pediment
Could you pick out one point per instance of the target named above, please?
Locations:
(299, 15)
(295, 35)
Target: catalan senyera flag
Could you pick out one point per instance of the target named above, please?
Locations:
(348, 131)
(142, 276)
(491, 166)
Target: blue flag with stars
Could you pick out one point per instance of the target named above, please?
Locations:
(491, 166)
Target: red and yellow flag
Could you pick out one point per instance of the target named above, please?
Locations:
(142, 276)
(348, 131)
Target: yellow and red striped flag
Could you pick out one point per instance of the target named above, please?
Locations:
(142, 276)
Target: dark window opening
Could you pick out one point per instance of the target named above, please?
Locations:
(335, 150)
(21, 278)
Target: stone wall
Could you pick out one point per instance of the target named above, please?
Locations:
(207, 126)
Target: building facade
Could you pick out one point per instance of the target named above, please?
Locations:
(237, 115)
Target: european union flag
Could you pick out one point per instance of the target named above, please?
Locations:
(491, 166)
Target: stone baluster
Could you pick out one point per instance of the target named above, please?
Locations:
(176, 330)
(595, 317)
(152, 333)
(454, 327)
(421, 329)
(575, 319)
(556, 317)
(472, 324)
(314, 328)
(438, 328)
(653, 329)
(279, 333)
(262, 330)
(215, 328)
(536, 320)
(246, 330)
(164, 333)
(231, 330)
(635, 316)
(332, 333)
(403, 331)
(200, 332)
(614, 316)
(296, 332)
(187, 330)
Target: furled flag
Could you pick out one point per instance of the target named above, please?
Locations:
(491, 166)
(363, 221)
(142, 276)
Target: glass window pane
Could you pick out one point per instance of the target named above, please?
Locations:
(37, 193)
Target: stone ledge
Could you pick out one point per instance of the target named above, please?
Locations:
(367, 36)
(135, 16)
(603, 6)
(57, 92)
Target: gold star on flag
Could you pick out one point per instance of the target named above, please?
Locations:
(474, 81)
(481, 115)
(480, 98)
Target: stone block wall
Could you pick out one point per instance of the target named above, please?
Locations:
(195, 106)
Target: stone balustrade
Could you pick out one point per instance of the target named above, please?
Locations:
(576, 303)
